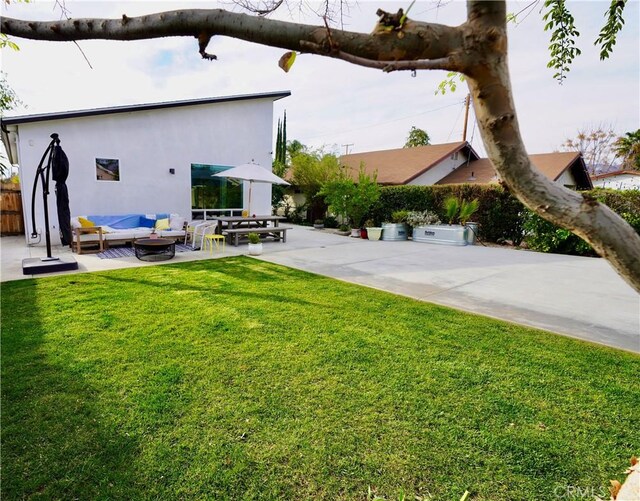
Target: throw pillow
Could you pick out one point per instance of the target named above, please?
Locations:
(162, 224)
(85, 223)
(177, 223)
(146, 222)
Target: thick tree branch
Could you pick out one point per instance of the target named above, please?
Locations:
(386, 66)
(420, 41)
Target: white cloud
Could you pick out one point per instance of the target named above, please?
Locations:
(332, 102)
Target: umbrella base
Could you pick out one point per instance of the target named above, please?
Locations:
(37, 265)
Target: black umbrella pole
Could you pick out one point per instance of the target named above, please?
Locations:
(42, 173)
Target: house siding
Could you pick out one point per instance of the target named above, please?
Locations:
(438, 171)
(621, 182)
(567, 179)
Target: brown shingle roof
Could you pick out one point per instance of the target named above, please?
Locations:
(401, 165)
(617, 173)
(552, 165)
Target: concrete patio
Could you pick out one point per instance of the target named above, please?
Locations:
(575, 296)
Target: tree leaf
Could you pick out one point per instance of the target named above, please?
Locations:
(287, 60)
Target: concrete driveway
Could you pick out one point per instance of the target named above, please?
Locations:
(575, 296)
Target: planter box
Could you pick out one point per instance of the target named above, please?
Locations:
(374, 233)
(441, 234)
(392, 232)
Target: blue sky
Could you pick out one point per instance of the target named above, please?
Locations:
(334, 103)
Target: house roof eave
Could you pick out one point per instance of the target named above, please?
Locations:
(44, 117)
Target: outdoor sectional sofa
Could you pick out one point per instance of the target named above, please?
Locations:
(103, 231)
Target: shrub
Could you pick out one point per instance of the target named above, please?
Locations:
(330, 222)
(399, 216)
(415, 218)
(349, 198)
(625, 203)
(451, 208)
(544, 236)
(468, 209)
(254, 238)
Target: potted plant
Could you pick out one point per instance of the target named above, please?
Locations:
(344, 230)
(468, 209)
(318, 224)
(397, 228)
(373, 232)
(255, 246)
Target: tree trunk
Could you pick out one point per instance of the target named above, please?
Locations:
(489, 83)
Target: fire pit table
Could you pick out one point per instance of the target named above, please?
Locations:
(154, 249)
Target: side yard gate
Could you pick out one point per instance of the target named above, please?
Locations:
(12, 222)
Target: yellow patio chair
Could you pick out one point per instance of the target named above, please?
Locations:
(210, 239)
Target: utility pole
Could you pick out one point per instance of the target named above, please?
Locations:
(466, 116)
(346, 148)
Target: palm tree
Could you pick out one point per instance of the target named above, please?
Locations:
(628, 148)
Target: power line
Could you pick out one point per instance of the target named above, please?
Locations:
(306, 138)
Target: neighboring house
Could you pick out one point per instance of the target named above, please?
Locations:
(150, 158)
(420, 165)
(567, 169)
(618, 180)
(458, 163)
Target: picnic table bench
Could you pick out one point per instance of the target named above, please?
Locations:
(277, 232)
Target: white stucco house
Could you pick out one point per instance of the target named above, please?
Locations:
(618, 180)
(149, 158)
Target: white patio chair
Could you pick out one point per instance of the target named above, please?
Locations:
(196, 231)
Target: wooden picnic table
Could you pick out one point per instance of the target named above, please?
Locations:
(240, 225)
(235, 222)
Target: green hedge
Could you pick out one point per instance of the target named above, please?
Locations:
(547, 237)
(502, 216)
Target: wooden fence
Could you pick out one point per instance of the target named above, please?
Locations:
(12, 222)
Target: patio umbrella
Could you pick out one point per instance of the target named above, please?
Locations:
(57, 161)
(253, 173)
(59, 173)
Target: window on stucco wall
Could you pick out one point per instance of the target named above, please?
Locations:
(107, 169)
(208, 192)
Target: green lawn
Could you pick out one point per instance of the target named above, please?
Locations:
(236, 379)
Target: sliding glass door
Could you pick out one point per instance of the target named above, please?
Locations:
(213, 194)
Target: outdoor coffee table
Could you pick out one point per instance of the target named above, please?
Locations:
(154, 249)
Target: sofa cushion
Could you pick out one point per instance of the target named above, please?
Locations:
(162, 224)
(172, 233)
(122, 222)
